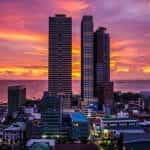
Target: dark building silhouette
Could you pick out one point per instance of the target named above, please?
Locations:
(104, 92)
(51, 116)
(60, 55)
(87, 53)
(101, 56)
(16, 98)
(103, 87)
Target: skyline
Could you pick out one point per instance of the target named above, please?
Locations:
(24, 36)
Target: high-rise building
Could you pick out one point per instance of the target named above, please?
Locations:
(87, 53)
(60, 55)
(103, 87)
(16, 98)
(101, 56)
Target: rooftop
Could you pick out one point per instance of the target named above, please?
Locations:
(60, 15)
(16, 126)
(88, 17)
(40, 146)
(119, 119)
(102, 29)
(125, 129)
(16, 87)
(78, 117)
(31, 142)
(133, 138)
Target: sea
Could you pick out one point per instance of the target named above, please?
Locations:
(35, 88)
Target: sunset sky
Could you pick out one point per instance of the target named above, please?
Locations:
(24, 35)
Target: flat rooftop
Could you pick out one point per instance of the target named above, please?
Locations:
(135, 138)
(16, 87)
(119, 119)
(78, 117)
(16, 126)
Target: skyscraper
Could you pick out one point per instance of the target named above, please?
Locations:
(60, 55)
(103, 87)
(101, 56)
(87, 53)
(16, 98)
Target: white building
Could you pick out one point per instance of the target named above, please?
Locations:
(121, 125)
(14, 134)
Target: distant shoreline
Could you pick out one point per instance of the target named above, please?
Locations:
(72, 80)
(35, 88)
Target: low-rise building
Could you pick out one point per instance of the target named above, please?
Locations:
(42, 144)
(51, 116)
(136, 141)
(15, 133)
(121, 125)
(79, 126)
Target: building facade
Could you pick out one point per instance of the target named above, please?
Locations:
(79, 126)
(60, 55)
(51, 117)
(101, 56)
(87, 53)
(103, 87)
(16, 98)
(14, 134)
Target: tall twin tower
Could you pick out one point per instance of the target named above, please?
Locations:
(60, 55)
(95, 59)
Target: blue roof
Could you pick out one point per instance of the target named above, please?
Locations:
(78, 117)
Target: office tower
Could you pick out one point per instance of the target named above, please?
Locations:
(101, 56)
(60, 55)
(87, 58)
(16, 98)
(103, 88)
(51, 117)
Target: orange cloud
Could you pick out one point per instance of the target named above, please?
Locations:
(146, 69)
(33, 72)
(22, 36)
(23, 73)
(76, 51)
(118, 44)
(76, 76)
(39, 51)
(122, 69)
(72, 5)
